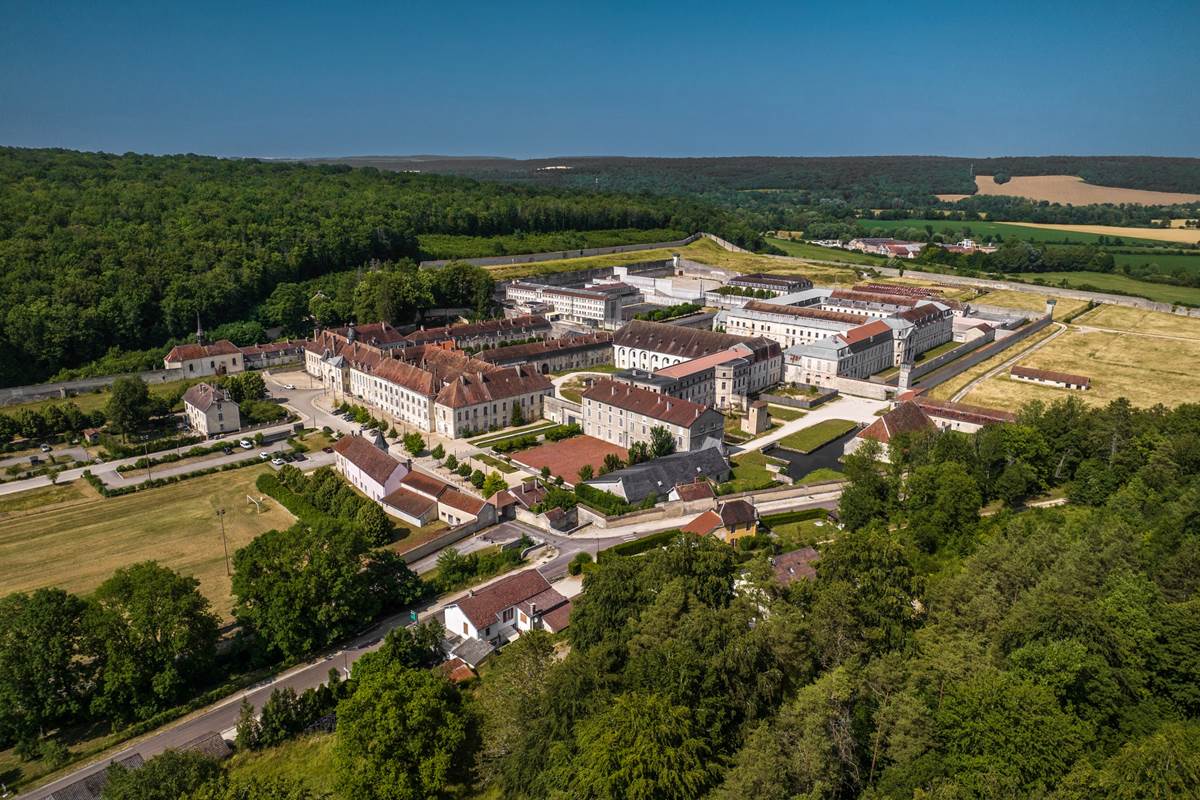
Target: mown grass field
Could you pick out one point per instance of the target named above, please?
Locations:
(809, 439)
(309, 759)
(1117, 284)
(1168, 261)
(1138, 320)
(1147, 370)
(77, 540)
(704, 251)
(94, 401)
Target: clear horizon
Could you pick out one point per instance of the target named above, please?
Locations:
(540, 80)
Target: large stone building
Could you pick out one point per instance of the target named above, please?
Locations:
(209, 411)
(789, 325)
(552, 355)
(858, 353)
(623, 414)
(486, 333)
(597, 306)
(726, 379)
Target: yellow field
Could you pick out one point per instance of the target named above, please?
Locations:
(75, 539)
(704, 251)
(1029, 301)
(1138, 320)
(1146, 370)
(1175, 235)
(1070, 189)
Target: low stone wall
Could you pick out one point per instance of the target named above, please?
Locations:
(562, 411)
(437, 543)
(868, 389)
(824, 396)
(673, 508)
(982, 354)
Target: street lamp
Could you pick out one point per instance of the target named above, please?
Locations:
(224, 542)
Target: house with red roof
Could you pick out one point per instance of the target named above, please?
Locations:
(520, 602)
(906, 418)
(367, 466)
(197, 360)
(730, 521)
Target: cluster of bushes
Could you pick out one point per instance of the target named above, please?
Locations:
(115, 448)
(324, 501)
(454, 570)
(746, 291)
(516, 443)
(641, 545)
(362, 416)
(287, 714)
(579, 563)
(53, 420)
(670, 312)
(194, 452)
(155, 483)
(562, 432)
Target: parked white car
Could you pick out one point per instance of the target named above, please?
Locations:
(246, 444)
(277, 461)
(264, 455)
(289, 387)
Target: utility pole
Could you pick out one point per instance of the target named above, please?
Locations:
(224, 542)
(146, 454)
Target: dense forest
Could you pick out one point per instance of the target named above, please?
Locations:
(101, 252)
(844, 177)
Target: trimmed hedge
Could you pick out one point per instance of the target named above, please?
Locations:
(606, 502)
(641, 545)
(794, 516)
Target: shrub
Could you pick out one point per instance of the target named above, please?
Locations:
(438, 452)
(576, 564)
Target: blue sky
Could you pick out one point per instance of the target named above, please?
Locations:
(618, 78)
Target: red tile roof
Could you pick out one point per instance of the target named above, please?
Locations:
(963, 412)
(907, 417)
(558, 619)
(699, 490)
(462, 501)
(685, 368)
(805, 312)
(472, 389)
(643, 401)
(546, 347)
(456, 670)
(377, 464)
(426, 484)
(674, 340)
(866, 331)
(704, 524)
(526, 324)
(190, 352)
(482, 607)
(528, 494)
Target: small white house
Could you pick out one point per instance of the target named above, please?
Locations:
(209, 410)
(521, 602)
(368, 467)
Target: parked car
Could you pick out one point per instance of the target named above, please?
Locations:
(246, 444)
(289, 387)
(264, 455)
(45, 448)
(226, 450)
(279, 462)
(326, 449)
(299, 457)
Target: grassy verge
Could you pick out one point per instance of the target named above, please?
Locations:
(1115, 283)
(785, 414)
(605, 368)
(810, 438)
(510, 433)
(410, 538)
(820, 476)
(944, 391)
(813, 251)
(309, 758)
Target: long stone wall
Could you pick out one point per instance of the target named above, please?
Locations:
(558, 255)
(982, 354)
(929, 366)
(64, 389)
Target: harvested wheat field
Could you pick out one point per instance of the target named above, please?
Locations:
(1069, 189)
(1176, 235)
(1146, 370)
(1028, 301)
(1139, 320)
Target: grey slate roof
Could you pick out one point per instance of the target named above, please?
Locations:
(90, 787)
(661, 474)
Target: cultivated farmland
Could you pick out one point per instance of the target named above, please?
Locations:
(77, 540)
(1145, 369)
(1176, 235)
(1071, 190)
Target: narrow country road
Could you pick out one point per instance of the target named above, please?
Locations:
(963, 392)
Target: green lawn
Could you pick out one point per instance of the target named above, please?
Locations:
(1118, 284)
(95, 401)
(784, 413)
(496, 463)
(509, 433)
(608, 368)
(749, 473)
(982, 230)
(797, 529)
(809, 439)
(806, 250)
(309, 758)
(821, 475)
(1168, 260)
